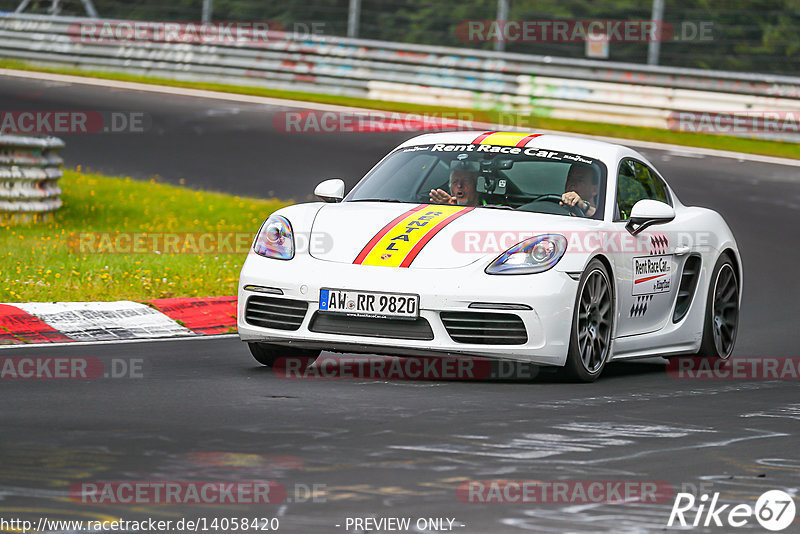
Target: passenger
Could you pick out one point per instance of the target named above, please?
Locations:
(463, 186)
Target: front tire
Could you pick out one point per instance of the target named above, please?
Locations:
(266, 354)
(721, 321)
(592, 325)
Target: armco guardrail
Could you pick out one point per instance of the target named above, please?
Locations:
(29, 173)
(765, 106)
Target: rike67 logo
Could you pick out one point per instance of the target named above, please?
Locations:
(774, 510)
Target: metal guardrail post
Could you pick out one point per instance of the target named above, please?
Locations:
(654, 45)
(208, 8)
(29, 172)
(502, 17)
(55, 8)
(353, 16)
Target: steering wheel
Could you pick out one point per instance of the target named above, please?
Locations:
(552, 197)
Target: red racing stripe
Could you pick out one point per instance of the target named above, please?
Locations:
(524, 141)
(19, 326)
(374, 241)
(424, 241)
(649, 278)
(478, 140)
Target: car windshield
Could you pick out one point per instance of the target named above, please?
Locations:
(488, 176)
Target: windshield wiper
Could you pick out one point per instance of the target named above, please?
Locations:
(378, 200)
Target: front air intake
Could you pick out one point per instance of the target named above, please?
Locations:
(332, 323)
(271, 312)
(481, 328)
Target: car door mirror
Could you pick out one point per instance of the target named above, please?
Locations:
(648, 212)
(330, 190)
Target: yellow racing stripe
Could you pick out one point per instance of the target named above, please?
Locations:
(399, 242)
(505, 138)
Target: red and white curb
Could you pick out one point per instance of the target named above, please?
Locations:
(70, 322)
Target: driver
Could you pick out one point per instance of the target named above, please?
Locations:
(463, 185)
(581, 189)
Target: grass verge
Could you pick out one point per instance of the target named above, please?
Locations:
(84, 254)
(719, 142)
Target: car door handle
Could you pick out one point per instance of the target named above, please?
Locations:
(681, 250)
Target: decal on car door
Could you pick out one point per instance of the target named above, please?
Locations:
(659, 243)
(639, 307)
(652, 274)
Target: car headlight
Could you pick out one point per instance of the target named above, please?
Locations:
(275, 239)
(534, 255)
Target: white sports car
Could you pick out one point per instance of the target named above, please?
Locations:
(535, 248)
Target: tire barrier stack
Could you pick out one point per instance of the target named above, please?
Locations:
(29, 171)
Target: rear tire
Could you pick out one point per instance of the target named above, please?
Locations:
(721, 322)
(266, 354)
(592, 325)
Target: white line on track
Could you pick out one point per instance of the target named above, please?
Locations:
(117, 341)
(252, 99)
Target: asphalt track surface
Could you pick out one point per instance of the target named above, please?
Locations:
(205, 411)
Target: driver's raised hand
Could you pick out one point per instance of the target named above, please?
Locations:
(439, 196)
(570, 198)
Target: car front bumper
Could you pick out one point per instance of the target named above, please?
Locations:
(550, 296)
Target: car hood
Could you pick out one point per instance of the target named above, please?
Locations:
(353, 228)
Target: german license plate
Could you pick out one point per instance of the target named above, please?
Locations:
(369, 303)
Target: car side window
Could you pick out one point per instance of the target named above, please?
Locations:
(405, 173)
(636, 181)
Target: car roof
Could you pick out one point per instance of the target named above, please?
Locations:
(606, 152)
